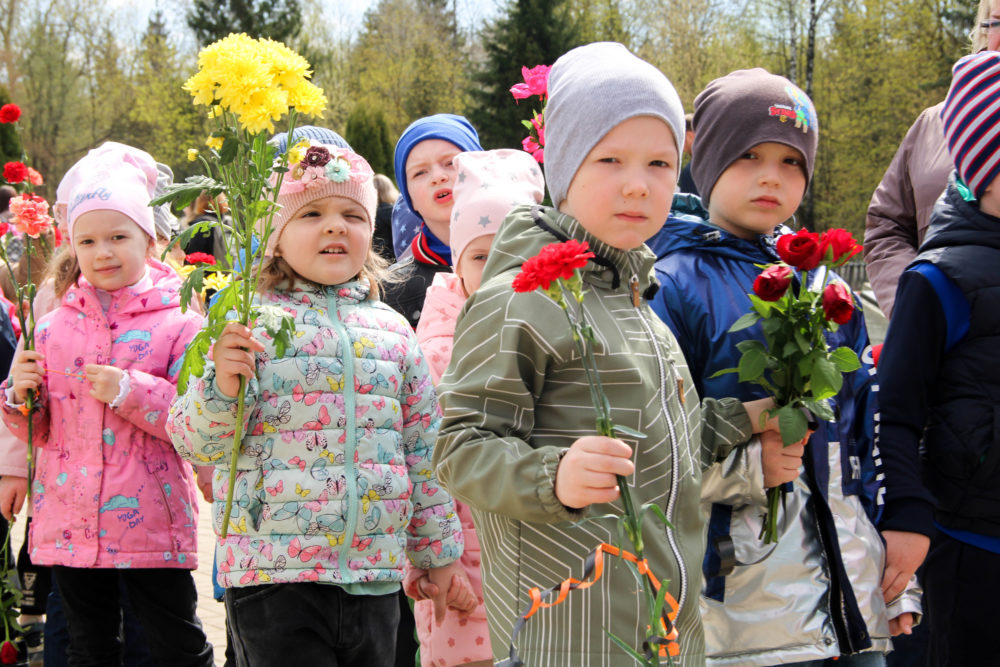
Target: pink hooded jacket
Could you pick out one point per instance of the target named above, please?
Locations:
(109, 490)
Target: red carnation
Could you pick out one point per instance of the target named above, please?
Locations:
(8, 653)
(837, 246)
(9, 113)
(773, 282)
(554, 261)
(199, 257)
(838, 306)
(15, 172)
(801, 250)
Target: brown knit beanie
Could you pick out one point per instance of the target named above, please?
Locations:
(745, 108)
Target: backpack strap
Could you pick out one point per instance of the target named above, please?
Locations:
(957, 313)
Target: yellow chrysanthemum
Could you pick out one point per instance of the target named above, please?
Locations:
(215, 143)
(215, 111)
(262, 108)
(216, 281)
(184, 271)
(192, 154)
(307, 98)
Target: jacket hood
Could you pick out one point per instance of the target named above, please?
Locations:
(955, 221)
(159, 290)
(688, 227)
(529, 228)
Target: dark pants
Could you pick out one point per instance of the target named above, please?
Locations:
(275, 625)
(961, 587)
(164, 600)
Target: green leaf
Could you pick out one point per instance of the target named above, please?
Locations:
(638, 657)
(724, 371)
(630, 432)
(845, 359)
(821, 409)
(762, 307)
(752, 365)
(185, 236)
(801, 341)
(825, 380)
(747, 345)
(230, 148)
(193, 284)
(527, 124)
(771, 326)
(279, 325)
(793, 424)
(182, 194)
(790, 349)
(194, 359)
(745, 322)
(658, 511)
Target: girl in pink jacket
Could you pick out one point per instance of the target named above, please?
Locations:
(114, 505)
(488, 185)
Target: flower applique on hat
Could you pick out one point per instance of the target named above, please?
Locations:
(321, 165)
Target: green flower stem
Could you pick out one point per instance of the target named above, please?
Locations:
(234, 455)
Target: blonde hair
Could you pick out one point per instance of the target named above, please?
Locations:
(978, 36)
(276, 274)
(387, 192)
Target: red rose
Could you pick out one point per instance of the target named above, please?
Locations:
(773, 282)
(838, 306)
(9, 113)
(14, 172)
(800, 250)
(8, 653)
(202, 257)
(837, 246)
(554, 261)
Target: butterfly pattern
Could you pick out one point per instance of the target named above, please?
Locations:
(334, 480)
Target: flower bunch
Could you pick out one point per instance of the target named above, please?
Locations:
(536, 82)
(316, 165)
(248, 83)
(556, 271)
(793, 362)
(257, 80)
(30, 215)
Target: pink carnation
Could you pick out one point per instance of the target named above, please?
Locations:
(536, 82)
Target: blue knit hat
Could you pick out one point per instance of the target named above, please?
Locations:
(320, 135)
(971, 119)
(445, 126)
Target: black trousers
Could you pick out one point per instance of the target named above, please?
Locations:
(321, 625)
(164, 600)
(961, 587)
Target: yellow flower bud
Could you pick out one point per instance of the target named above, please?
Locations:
(192, 154)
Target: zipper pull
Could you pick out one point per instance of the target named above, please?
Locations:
(634, 285)
(680, 381)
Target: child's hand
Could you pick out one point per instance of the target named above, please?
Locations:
(26, 373)
(586, 474)
(203, 478)
(901, 625)
(781, 464)
(12, 493)
(105, 381)
(234, 357)
(757, 408)
(448, 586)
(904, 552)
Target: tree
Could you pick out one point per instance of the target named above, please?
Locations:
(368, 134)
(212, 20)
(531, 32)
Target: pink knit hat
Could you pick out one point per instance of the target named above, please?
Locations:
(325, 171)
(488, 185)
(114, 180)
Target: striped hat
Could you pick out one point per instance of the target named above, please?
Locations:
(971, 118)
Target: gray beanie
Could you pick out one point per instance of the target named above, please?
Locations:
(745, 108)
(592, 89)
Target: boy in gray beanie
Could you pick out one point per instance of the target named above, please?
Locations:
(755, 142)
(518, 442)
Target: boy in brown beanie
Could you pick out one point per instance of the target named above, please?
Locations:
(755, 143)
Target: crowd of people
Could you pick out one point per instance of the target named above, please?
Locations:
(425, 453)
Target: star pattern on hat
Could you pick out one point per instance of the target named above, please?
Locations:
(461, 177)
(484, 220)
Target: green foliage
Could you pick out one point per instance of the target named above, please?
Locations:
(10, 143)
(529, 33)
(368, 134)
(212, 20)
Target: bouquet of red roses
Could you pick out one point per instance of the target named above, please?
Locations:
(793, 362)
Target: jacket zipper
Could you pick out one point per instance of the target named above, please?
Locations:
(350, 439)
(674, 452)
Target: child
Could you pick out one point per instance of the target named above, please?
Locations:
(334, 485)
(939, 375)
(114, 506)
(517, 442)
(425, 172)
(488, 185)
(752, 167)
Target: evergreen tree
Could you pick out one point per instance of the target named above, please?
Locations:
(212, 20)
(10, 143)
(532, 32)
(368, 134)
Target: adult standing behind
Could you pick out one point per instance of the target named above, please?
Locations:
(382, 237)
(900, 208)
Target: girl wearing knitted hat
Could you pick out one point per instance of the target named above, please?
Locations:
(518, 442)
(488, 184)
(114, 506)
(335, 489)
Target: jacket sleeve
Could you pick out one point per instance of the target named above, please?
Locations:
(891, 224)
(16, 420)
(435, 532)
(13, 454)
(488, 396)
(149, 396)
(738, 479)
(202, 420)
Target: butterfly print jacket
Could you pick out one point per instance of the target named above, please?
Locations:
(334, 480)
